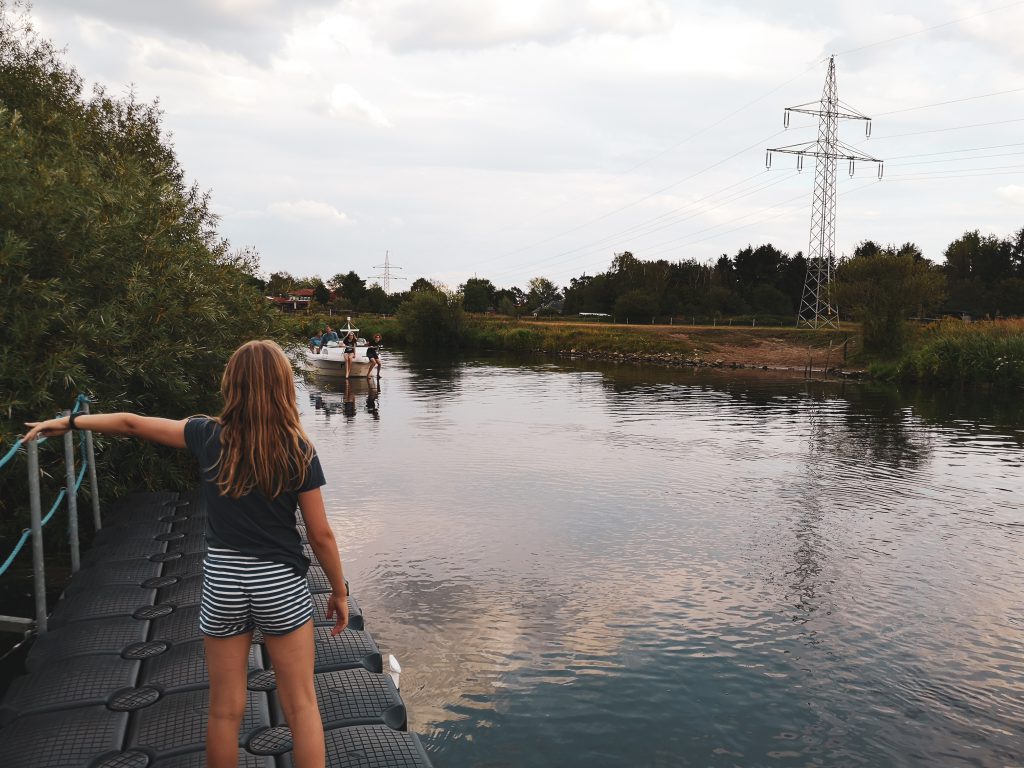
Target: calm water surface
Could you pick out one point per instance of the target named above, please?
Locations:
(583, 566)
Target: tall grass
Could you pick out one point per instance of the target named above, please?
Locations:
(953, 352)
(512, 336)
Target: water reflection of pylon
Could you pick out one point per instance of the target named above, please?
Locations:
(817, 309)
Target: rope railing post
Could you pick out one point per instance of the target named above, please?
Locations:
(72, 497)
(94, 486)
(36, 507)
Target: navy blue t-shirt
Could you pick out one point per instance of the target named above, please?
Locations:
(253, 524)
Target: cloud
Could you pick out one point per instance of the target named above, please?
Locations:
(1014, 193)
(476, 24)
(252, 28)
(347, 103)
(310, 209)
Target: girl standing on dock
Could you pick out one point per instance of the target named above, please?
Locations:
(257, 464)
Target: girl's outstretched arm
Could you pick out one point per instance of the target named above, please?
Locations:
(163, 431)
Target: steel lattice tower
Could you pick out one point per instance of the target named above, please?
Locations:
(387, 277)
(817, 310)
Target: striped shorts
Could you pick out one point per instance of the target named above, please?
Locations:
(242, 593)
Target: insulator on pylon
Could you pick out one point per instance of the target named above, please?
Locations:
(867, 129)
(768, 160)
(799, 163)
(785, 119)
(881, 166)
(851, 169)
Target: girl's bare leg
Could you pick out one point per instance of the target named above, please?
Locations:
(292, 658)
(227, 662)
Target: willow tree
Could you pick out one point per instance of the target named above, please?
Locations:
(113, 279)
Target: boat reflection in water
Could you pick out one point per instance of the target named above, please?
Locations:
(342, 397)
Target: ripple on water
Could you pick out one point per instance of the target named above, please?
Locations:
(613, 567)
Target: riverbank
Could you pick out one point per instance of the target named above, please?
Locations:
(944, 353)
(771, 348)
(674, 345)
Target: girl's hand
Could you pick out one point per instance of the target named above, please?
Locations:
(49, 428)
(337, 609)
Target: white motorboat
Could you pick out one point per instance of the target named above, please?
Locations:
(330, 360)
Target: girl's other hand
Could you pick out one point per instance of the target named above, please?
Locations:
(49, 428)
(337, 609)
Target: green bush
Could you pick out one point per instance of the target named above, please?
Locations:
(431, 320)
(954, 352)
(113, 280)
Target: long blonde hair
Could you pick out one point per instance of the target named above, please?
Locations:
(262, 443)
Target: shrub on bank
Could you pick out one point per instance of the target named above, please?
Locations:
(432, 320)
(954, 352)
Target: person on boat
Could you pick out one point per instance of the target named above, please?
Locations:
(350, 350)
(328, 335)
(256, 464)
(314, 342)
(373, 354)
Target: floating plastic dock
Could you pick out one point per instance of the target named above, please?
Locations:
(120, 680)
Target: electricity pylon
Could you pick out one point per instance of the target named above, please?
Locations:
(817, 309)
(387, 277)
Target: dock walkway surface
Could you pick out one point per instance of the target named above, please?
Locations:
(120, 679)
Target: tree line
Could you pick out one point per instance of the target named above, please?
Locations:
(980, 276)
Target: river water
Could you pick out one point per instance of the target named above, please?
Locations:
(596, 566)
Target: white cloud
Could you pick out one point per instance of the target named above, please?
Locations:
(1014, 193)
(475, 24)
(524, 137)
(346, 102)
(310, 209)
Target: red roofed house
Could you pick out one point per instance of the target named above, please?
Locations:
(295, 300)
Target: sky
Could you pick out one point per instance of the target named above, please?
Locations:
(509, 139)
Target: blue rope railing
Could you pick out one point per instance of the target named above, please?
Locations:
(19, 442)
(26, 534)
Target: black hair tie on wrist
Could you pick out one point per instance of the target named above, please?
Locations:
(71, 421)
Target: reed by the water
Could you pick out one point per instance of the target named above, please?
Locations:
(952, 352)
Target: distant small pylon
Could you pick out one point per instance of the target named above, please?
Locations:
(817, 308)
(387, 266)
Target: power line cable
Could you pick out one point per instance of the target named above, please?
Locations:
(672, 147)
(939, 174)
(951, 101)
(619, 235)
(621, 208)
(930, 29)
(636, 228)
(954, 151)
(929, 177)
(943, 130)
(956, 159)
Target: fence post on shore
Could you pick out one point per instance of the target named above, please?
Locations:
(94, 486)
(36, 510)
(71, 495)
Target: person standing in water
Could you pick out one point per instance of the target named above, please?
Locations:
(350, 350)
(373, 354)
(256, 464)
